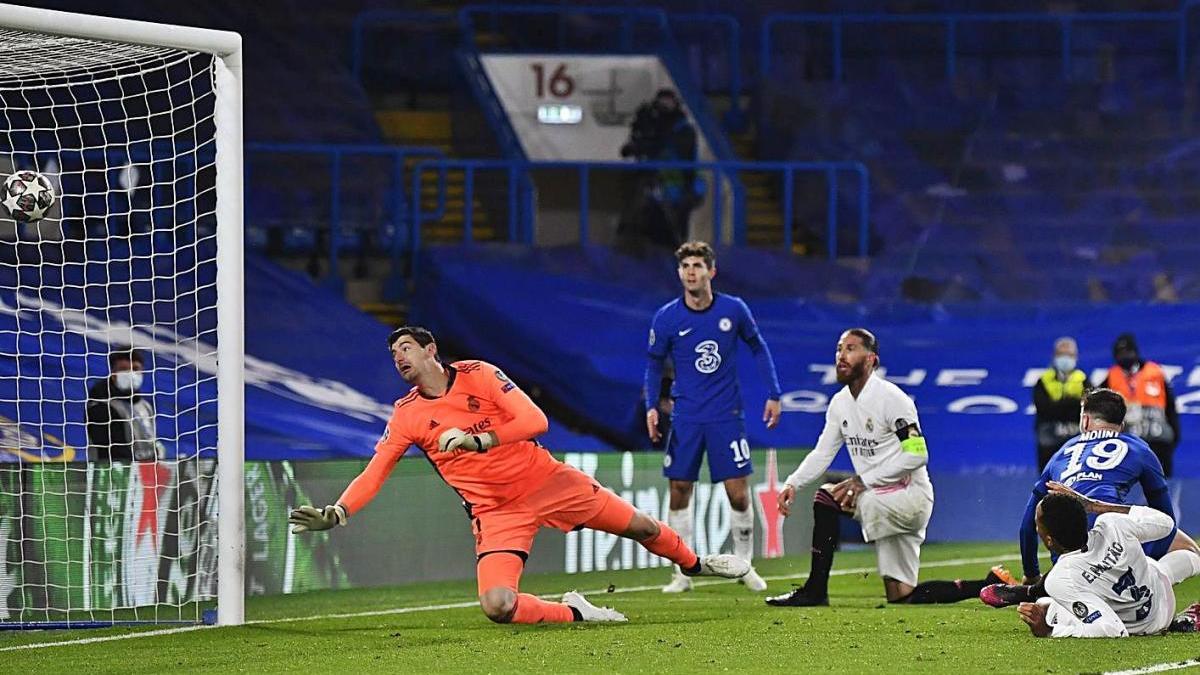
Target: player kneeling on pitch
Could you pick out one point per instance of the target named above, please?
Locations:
(477, 428)
(1103, 584)
(890, 493)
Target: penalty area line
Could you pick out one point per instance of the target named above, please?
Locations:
(954, 562)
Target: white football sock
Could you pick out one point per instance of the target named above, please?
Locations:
(681, 521)
(1180, 565)
(742, 524)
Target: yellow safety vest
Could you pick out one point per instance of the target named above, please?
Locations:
(1057, 389)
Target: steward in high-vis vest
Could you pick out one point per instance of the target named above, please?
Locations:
(1150, 403)
(1056, 398)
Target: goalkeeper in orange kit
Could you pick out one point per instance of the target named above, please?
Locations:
(477, 428)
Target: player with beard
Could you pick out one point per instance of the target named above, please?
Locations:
(890, 494)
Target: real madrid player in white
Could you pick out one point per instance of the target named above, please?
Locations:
(1103, 584)
(890, 494)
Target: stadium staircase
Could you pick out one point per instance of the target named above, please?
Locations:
(434, 128)
(764, 215)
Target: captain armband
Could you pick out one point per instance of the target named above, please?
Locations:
(911, 440)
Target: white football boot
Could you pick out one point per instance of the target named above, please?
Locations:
(723, 565)
(590, 612)
(679, 583)
(753, 582)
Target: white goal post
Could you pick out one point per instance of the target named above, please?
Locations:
(48, 49)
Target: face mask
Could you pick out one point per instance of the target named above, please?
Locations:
(1064, 364)
(129, 380)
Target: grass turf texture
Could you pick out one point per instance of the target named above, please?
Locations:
(719, 627)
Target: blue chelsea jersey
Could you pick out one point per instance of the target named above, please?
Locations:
(1104, 465)
(1100, 464)
(702, 344)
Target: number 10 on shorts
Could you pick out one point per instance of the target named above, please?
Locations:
(741, 451)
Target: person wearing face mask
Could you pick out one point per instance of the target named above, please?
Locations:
(1152, 415)
(120, 421)
(1056, 397)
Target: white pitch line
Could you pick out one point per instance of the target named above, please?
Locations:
(471, 603)
(1158, 668)
(374, 612)
(623, 589)
(106, 638)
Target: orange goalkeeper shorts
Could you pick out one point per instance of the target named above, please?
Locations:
(565, 500)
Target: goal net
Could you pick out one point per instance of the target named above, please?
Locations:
(117, 455)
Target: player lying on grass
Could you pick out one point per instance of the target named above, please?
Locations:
(1103, 584)
(477, 428)
(1102, 463)
(890, 494)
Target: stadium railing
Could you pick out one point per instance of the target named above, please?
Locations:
(371, 20)
(642, 29)
(399, 158)
(951, 21)
(519, 209)
(638, 29)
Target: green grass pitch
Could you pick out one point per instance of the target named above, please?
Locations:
(716, 627)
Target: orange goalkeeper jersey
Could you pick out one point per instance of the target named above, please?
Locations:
(479, 398)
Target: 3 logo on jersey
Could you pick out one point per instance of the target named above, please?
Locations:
(709, 359)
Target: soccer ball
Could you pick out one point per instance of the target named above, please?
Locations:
(28, 196)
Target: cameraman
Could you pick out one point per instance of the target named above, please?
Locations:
(661, 132)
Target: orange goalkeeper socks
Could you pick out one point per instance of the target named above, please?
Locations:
(532, 609)
(668, 544)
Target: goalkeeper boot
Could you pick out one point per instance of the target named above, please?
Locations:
(1005, 595)
(590, 612)
(799, 597)
(999, 574)
(753, 582)
(679, 583)
(722, 565)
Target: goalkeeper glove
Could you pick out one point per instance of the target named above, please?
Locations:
(456, 440)
(309, 519)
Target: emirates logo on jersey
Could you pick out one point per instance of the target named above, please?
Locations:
(480, 426)
(472, 404)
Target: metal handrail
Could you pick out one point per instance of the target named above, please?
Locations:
(336, 152)
(465, 19)
(951, 21)
(368, 18)
(518, 171)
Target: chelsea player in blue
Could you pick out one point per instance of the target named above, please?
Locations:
(1102, 463)
(699, 332)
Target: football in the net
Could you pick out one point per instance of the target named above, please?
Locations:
(28, 196)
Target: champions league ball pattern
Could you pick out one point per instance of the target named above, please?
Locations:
(28, 196)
